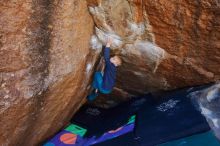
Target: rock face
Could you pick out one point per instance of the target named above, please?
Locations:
(208, 102)
(45, 66)
(47, 62)
(164, 44)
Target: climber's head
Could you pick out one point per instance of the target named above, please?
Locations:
(116, 60)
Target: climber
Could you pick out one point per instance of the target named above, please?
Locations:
(104, 82)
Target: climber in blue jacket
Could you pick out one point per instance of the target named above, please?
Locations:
(104, 82)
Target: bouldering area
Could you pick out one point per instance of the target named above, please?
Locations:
(167, 90)
(145, 121)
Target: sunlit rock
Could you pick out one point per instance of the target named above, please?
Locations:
(164, 45)
(49, 50)
(46, 65)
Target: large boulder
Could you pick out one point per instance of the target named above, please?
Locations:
(164, 44)
(45, 67)
(47, 60)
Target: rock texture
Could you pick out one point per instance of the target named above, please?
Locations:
(47, 60)
(208, 102)
(45, 66)
(164, 44)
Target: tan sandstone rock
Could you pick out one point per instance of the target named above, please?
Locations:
(164, 44)
(45, 67)
(47, 62)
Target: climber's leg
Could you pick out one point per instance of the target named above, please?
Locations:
(96, 84)
(104, 91)
(92, 96)
(97, 81)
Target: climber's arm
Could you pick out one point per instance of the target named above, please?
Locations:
(107, 54)
(107, 51)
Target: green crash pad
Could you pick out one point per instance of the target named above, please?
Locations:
(76, 130)
(132, 119)
(204, 139)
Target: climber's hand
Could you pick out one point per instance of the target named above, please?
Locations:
(109, 42)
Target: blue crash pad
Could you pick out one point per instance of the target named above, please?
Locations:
(98, 120)
(156, 122)
(168, 119)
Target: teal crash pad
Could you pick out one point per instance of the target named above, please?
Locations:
(204, 139)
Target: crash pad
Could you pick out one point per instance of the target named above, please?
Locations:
(92, 117)
(204, 139)
(172, 117)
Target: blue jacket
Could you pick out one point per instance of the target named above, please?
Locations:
(109, 72)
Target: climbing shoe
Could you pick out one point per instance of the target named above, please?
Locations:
(92, 96)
